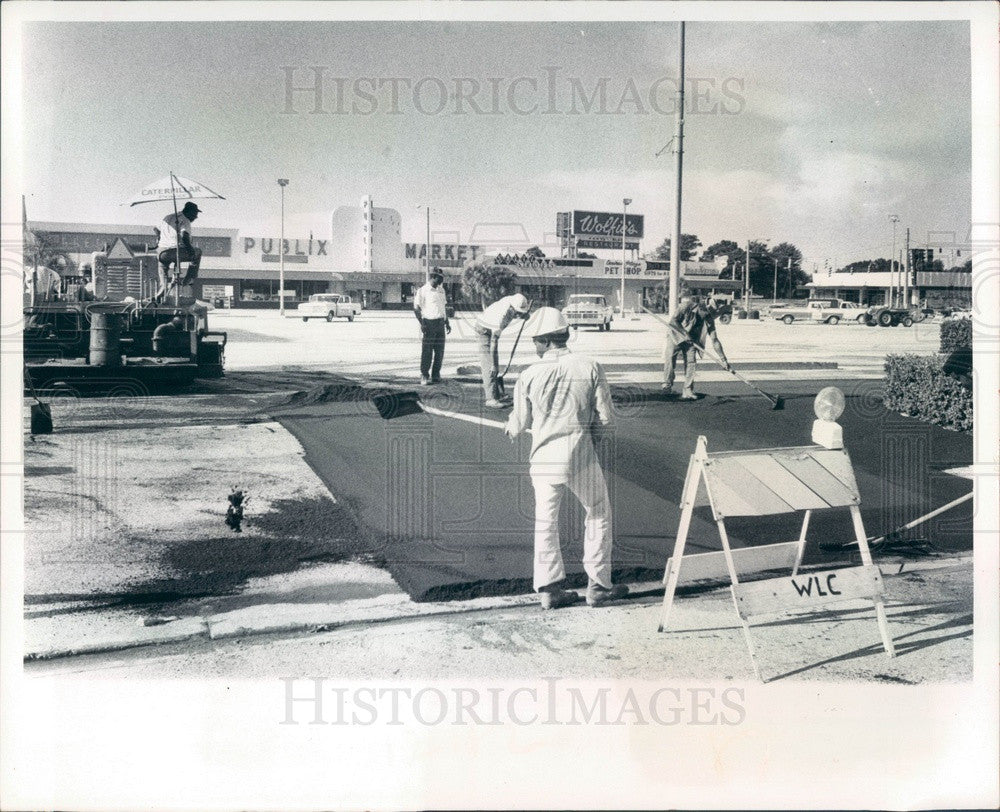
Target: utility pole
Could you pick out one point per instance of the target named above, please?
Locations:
(893, 218)
(746, 280)
(790, 283)
(427, 263)
(675, 245)
(625, 203)
(282, 182)
(774, 295)
(906, 279)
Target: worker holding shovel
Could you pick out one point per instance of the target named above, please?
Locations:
(489, 324)
(687, 334)
(562, 399)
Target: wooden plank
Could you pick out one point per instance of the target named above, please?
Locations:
(808, 591)
(739, 491)
(748, 560)
(780, 480)
(819, 480)
(728, 500)
(838, 463)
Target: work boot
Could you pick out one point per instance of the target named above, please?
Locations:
(425, 381)
(493, 403)
(558, 598)
(598, 595)
(685, 395)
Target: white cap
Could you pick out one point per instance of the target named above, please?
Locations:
(547, 320)
(519, 302)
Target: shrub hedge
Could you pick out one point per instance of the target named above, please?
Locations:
(956, 334)
(917, 386)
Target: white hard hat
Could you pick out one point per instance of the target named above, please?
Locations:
(519, 302)
(547, 320)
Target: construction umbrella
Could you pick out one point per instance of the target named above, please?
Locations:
(173, 188)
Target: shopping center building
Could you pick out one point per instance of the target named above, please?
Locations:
(363, 254)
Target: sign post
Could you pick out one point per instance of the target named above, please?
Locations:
(764, 482)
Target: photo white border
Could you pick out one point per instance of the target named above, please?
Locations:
(73, 743)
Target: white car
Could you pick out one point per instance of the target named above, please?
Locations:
(588, 310)
(329, 306)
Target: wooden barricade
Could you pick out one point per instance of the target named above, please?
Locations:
(763, 482)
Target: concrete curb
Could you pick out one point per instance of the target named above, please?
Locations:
(272, 619)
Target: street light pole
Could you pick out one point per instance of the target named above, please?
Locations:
(893, 218)
(774, 297)
(675, 244)
(625, 204)
(282, 182)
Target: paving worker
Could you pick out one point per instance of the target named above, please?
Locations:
(488, 326)
(564, 399)
(687, 333)
(175, 245)
(430, 307)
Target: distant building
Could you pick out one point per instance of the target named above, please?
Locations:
(930, 288)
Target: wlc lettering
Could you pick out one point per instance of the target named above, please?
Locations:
(817, 581)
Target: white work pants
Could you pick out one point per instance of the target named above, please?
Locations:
(588, 485)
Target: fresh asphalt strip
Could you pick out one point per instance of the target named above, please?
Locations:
(449, 505)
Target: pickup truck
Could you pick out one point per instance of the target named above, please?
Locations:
(825, 311)
(588, 310)
(329, 306)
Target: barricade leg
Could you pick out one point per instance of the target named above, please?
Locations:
(866, 559)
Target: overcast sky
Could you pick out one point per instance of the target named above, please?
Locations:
(810, 133)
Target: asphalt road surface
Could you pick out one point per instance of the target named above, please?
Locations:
(448, 505)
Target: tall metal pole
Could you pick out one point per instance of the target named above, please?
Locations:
(774, 297)
(427, 251)
(893, 218)
(906, 278)
(282, 182)
(746, 280)
(625, 203)
(790, 284)
(675, 244)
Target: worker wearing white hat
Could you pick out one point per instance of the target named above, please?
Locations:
(489, 324)
(563, 398)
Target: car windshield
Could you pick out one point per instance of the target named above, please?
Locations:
(320, 297)
(585, 300)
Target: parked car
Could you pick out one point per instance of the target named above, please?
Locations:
(588, 310)
(813, 310)
(329, 306)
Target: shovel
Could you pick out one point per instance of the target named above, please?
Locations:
(777, 402)
(401, 404)
(501, 389)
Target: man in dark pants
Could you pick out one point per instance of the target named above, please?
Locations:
(688, 333)
(430, 308)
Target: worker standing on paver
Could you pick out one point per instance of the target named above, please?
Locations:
(488, 326)
(564, 398)
(431, 308)
(175, 246)
(687, 333)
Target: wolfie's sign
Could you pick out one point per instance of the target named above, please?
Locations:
(606, 224)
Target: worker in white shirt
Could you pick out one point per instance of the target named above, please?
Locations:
(488, 326)
(431, 308)
(564, 399)
(175, 245)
